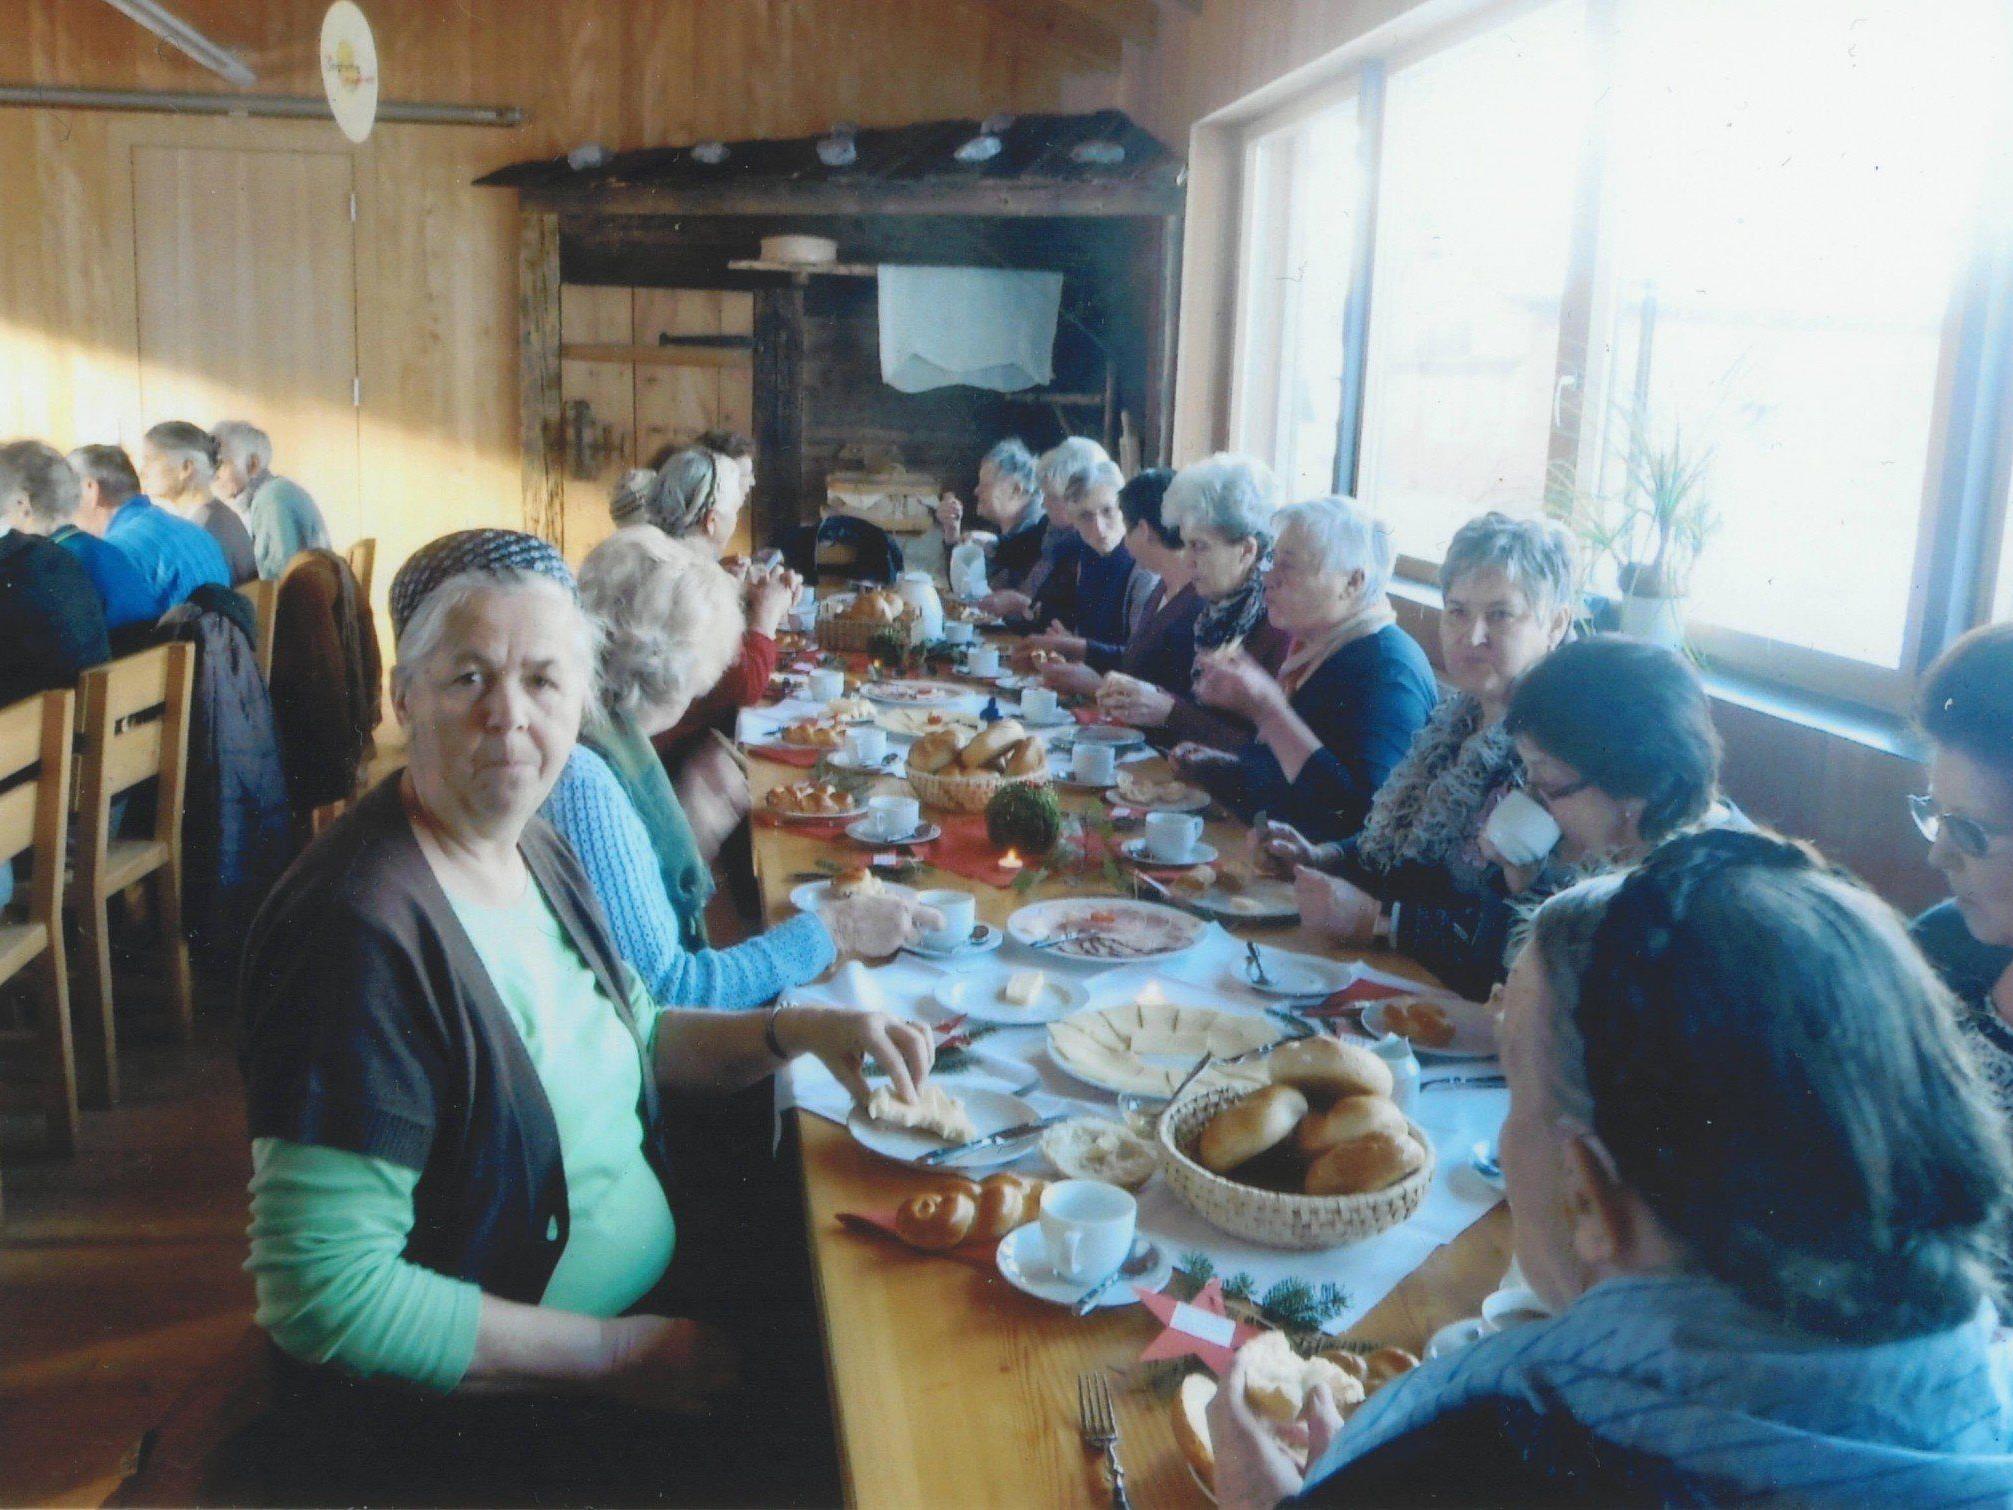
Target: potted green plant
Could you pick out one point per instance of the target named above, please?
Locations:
(1651, 531)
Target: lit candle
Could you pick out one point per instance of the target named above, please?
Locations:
(1011, 860)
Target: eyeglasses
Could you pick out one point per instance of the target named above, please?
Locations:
(1549, 795)
(1968, 836)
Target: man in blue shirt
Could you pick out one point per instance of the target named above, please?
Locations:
(174, 556)
(39, 495)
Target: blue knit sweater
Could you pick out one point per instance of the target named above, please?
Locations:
(594, 815)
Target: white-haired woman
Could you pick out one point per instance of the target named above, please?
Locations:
(1112, 589)
(279, 512)
(1048, 592)
(178, 464)
(1417, 872)
(1012, 522)
(453, 1085)
(1352, 692)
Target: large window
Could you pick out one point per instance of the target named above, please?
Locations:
(1765, 225)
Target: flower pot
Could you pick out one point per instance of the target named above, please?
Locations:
(1659, 620)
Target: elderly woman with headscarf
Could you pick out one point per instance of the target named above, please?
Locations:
(1352, 692)
(178, 465)
(696, 497)
(1416, 871)
(1757, 1182)
(453, 1080)
(659, 604)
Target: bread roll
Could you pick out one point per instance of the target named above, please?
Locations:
(1028, 758)
(1372, 1162)
(1006, 1201)
(854, 881)
(1351, 1117)
(934, 751)
(1327, 1067)
(991, 743)
(1277, 1379)
(1191, 1426)
(1386, 1364)
(1248, 1127)
(937, 1220)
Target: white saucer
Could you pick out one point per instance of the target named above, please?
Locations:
(1296, 977)
(887, 765)
(1026, 1268)
(991, 1112)
(1055, 720)
(862, 833)
(1136, 851)
(813, 893)
(988, 940)
(978, 996)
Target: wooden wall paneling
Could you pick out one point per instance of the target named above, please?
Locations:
(598, 315)
(673, 404)
(737, 384)
(538, 385)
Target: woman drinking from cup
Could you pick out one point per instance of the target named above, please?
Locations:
(1353, 689)
(1966, 710)
(1508, 589)
(1758, 1181)
(453, 1086)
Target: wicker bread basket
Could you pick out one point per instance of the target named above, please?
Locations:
(957, 790)
(1271, 1217)
(857, 635)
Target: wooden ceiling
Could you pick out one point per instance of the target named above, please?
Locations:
(1095, 30)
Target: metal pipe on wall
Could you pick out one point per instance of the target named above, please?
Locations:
(284, 106)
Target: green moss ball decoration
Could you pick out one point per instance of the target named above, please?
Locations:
(1024, 817)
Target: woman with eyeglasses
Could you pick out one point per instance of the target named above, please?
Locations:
(1966, 709)
(1757, 1181)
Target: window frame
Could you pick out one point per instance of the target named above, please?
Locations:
(1961, 563)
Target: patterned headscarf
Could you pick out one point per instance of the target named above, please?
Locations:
(466, 551)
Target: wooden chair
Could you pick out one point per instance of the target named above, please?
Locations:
(35, 818)
(363, 561)
(135, 727)
(265, 601)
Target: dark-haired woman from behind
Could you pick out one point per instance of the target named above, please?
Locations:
(1966, 709)
(1758, 1181)
(178, 470)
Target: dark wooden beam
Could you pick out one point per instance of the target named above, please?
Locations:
(779, 413)
(979, 197)
(539, 399)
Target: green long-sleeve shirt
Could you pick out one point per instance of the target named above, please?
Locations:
(329, 1227)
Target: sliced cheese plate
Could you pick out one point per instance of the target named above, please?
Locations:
(1145, 1047)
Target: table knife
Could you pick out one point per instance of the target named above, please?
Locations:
(1004, 1135)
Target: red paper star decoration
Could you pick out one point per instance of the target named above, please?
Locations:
(1197, 1326)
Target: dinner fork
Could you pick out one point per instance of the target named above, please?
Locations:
(1100, 1430)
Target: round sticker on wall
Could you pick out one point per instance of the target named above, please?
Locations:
(349, 69)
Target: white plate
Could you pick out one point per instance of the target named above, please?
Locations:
(862, 833)
(1025, 1265)
(1261, 901)
(989, 939)
(991, 1111)
(909, 694)
(1296, 977)
(813, 893)
(1156, 1070)
(1194, 802)
(1118, 736)
(788, 817)
(1136, 851)
(889, 764)
(1055, 720)
(979, 996)
(1474, 1028)
(1043, 920)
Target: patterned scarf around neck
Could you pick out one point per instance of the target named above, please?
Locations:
(1431, 807)
(1232, 617)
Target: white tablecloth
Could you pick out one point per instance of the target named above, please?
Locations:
(1016, 1060)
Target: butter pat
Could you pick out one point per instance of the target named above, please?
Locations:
(1025, 987)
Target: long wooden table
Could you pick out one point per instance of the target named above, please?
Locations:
(954, 1389)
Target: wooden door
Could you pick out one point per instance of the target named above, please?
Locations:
(246, 267)
(649, 395)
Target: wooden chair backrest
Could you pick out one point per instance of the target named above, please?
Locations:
(135, 726)
(265, 601)
(363, 562)
(35, 792)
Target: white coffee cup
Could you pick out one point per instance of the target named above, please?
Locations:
(1040, 702)
(1093, 765)
(958, 632)
(893, 817)
(983, 660)
(1172, 836)
(867, 745)
(1086, 1228)
(961, 914)
(824, 685)
(1513, 1308)
(1520, 830)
